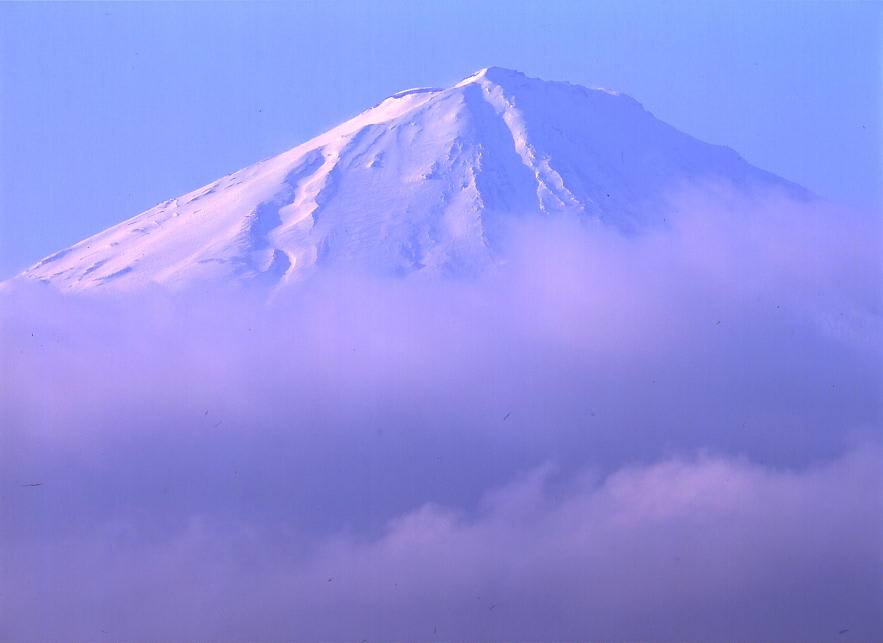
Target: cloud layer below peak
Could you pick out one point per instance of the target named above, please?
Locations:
(666, 435)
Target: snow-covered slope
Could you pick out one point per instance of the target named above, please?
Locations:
(421, 181)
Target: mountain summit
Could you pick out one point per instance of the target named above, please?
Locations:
(422, 181)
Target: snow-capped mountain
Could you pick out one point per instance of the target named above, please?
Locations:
(421, 181)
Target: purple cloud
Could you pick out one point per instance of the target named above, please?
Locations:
(667, 435)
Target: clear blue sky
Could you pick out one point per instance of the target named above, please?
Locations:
(108, 109)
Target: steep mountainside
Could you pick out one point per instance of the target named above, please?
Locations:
(422, 181)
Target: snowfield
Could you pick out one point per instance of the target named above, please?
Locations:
(423, 181)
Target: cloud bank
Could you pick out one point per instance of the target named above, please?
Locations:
(672, 434)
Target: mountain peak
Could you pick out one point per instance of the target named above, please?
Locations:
(424, 181)
(494, 75)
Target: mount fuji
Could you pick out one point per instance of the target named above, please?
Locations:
(423, 181)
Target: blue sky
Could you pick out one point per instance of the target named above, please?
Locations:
(107, 109)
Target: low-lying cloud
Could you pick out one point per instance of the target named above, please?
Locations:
(673, 434)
